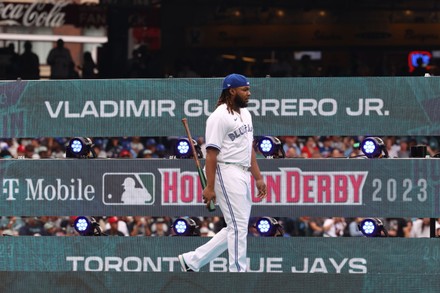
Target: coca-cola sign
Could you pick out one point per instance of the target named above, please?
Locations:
(56, 13)
(38, 13)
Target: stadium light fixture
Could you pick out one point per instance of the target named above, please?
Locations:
(374, 147)
(271, 147)
(372, 227)
(80, 148)
(184, 226)
(182, 149)
(87, 226)
(269, 227)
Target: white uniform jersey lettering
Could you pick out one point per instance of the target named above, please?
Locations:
(232, 134)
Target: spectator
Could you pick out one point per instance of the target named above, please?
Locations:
(348, 141)
(316, 155)
(136, 145)
(159, 228)
(309, 148)
(292, 153)
(88, 67)
(30, 152)
(297, 226)
(326, 147)
(291, 141)
(50, 229)
(139, 227)
(334, 227)
(125, 154)
(99, 152)
(60, 61)
(29, 63)
(146, 154)
(433, 146)
(421, 68)
(5, 153)
(113, 148)
(113, 229)
(404, 151)
(306, 67)
(218, 223)
(316, 225)
(32, 227)
(12, 64)
(356, 153)
(161, 151)
(12, 224)
(336, 153)
(151, 144)
(353, 228)
(139, 64)
(397, 227)
(66, 226)
(337, 142)
(391, 147)
(44, 152)
(421, 228)
(205, 232)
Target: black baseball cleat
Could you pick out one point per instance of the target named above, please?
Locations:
(183, 264)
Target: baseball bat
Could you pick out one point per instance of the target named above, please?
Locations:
(202, 177)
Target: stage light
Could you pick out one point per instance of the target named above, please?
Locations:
(271, 147)
(80, 148)
(182, 149)
(374, 147)
(87, 226)
(372, 227)
(269, 227)
(184, 227)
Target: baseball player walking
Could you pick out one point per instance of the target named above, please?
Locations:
(229, 158)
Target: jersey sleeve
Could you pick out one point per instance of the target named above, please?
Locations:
(215, 131)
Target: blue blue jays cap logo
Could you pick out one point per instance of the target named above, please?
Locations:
(235, 80)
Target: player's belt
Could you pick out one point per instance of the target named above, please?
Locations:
(244, 168)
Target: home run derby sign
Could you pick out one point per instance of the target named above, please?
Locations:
(296, 187)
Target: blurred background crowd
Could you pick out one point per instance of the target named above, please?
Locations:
(58, 63)
(208, 226)
(163, 147)
(325, 147)
(26, 65)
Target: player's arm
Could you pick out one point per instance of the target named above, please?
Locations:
(256, 173)
(210, 170)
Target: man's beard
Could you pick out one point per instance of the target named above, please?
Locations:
(239, 102)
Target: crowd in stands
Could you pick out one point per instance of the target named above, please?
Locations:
(163, 147)
(325, 147)
(208, 226)
(143, 64)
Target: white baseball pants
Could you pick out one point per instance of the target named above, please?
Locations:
(232, 189)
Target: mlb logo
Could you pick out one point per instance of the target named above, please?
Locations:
(128, 188)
